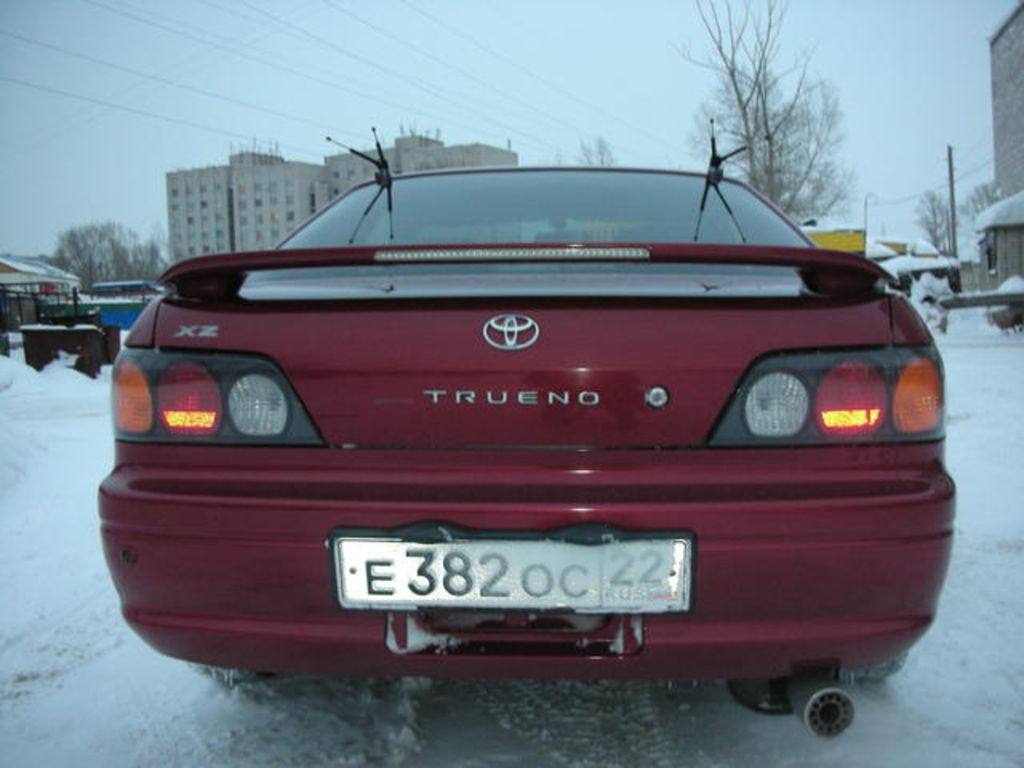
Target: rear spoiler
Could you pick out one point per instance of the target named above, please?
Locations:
(823, 272)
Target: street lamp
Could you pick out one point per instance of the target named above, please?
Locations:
(869, 196)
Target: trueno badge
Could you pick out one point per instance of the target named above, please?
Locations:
(511, 332)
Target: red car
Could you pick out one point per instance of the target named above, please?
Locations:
(593, 423)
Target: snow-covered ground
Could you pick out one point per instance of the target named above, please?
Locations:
(77, 688)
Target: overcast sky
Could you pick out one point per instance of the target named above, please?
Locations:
(88, 137)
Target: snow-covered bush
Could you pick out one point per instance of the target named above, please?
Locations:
(925, 294)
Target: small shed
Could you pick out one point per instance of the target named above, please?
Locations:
(35, 275)
(25, 285)
(1000, 242)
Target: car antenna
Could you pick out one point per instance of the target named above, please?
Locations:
(382, 177)
(715, 175)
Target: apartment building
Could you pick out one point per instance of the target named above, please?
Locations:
(1007, 62)
(259, 197)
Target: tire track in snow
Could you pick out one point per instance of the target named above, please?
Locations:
(280, 722)
(583, 724)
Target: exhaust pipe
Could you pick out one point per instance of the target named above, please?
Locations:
(824, 706)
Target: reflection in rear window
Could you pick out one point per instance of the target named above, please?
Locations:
(545, 206)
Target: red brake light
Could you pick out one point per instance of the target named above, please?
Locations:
(851, 400)
(188, 400)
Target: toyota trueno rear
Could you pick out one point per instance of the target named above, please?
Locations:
(531, 423)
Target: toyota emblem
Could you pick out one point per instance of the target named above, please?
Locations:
(511, 332)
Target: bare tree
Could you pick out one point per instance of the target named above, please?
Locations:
(933, 219)
(981, 197)
(107, 251)
(789, 121)
(598, 152)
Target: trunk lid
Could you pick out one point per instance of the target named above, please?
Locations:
(547, 358)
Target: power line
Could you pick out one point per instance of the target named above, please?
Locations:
(970, 172)
(174, 84)
(530, 73)
(489, 86)
(934, 188)
(908, 198)
(969, 150)
(236, 52)
(388, 71)
(93, 112)
(145, 113)
(276, 65)
(150, 12)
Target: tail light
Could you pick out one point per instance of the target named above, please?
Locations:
(211, 398)
(893, 394)
(133, 401)
(917, 400)
(188, 400)
(776, 405)
(851, 400)
(258, 406)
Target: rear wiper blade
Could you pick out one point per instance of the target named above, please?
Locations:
(711, 179)
(382, 177)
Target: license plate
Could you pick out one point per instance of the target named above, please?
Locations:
(631, 576)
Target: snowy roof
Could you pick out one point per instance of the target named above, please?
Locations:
(876, 250)
(922, 248)
(1014, 284)
(1005, 213)
(31, 266)
(909, 264)
(911, 245)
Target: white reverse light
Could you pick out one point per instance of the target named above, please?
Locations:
(776, 405)
(258, 406)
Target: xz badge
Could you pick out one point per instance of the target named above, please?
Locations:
(197, 332)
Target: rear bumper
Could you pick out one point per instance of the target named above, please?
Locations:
(818, 557)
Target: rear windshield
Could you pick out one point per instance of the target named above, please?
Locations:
(546, 206)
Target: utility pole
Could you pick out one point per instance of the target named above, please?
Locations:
(952, 202)
(869, 197)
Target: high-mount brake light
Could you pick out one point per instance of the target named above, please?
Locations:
(568, 253)
(917, 399)
(851, 400)
(133, 402)
(189, 401)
